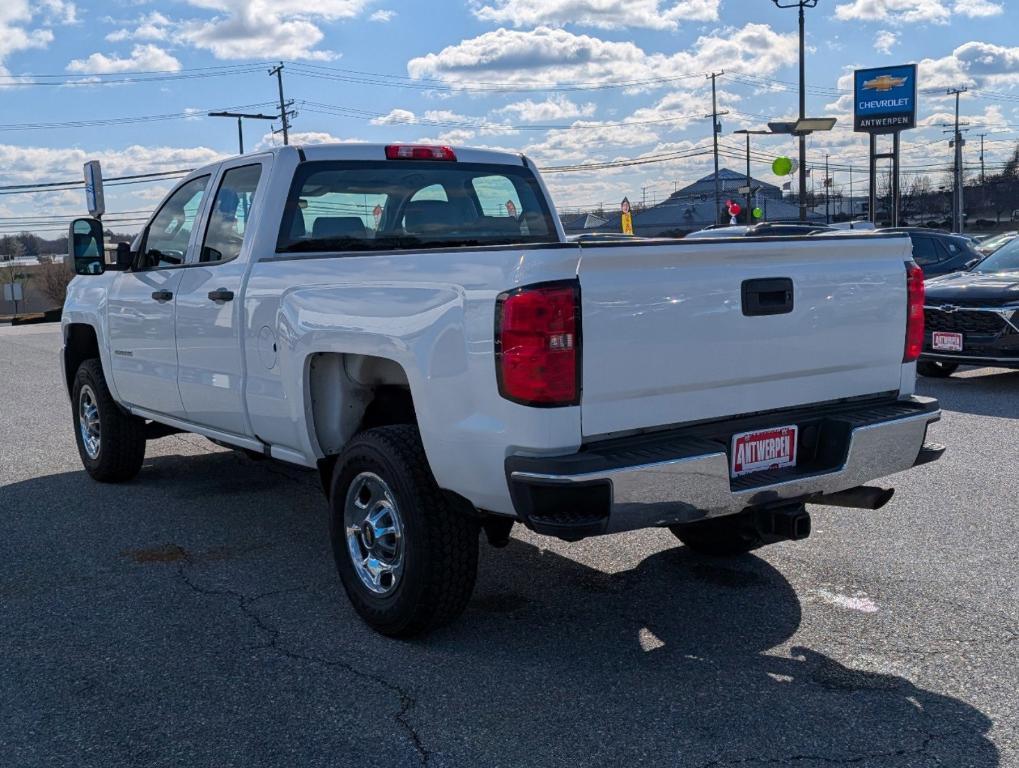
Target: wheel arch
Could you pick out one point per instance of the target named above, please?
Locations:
(81, 343)
(347, 393)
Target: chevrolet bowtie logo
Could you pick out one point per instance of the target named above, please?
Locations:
(883, 83)
(948, 308)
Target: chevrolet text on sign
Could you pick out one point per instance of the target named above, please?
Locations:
(884, 99)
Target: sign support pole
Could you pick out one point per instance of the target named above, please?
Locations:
(895, 179)
(872, 205)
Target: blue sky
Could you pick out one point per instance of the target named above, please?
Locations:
(567, 81)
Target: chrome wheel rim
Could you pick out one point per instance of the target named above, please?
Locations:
(374, 533)
(88, 421)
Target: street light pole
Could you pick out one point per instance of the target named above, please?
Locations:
(749, 191)
(801, 5)
(240, 116)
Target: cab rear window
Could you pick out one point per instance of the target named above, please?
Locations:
(393, 205)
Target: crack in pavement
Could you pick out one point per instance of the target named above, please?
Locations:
(273, 644)
(929, 738)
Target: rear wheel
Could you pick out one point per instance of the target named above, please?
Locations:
(936, 369)
(406, 554)
(720, 536)
(110, 442)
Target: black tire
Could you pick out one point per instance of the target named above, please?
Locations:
(121, 447)
(727, 536)
(439, 540)
(935, 369)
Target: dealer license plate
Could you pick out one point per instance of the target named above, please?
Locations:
(947, 342)
(764, 449)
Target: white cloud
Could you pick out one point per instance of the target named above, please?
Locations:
(152, 26)
(304, 138)
(977, 8)
(915, 11)
(248, 29)
(885, 40)
(25, 25)
(974, 65)
(143, 58)
(29, 164)
(397, 117)
(605, 14)
(553, 108)
(383, 15)
(546, 55)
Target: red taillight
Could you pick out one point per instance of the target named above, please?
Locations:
(537, 345)
(914, 312)
(418, 152)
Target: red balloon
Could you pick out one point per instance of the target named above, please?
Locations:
(734, 209)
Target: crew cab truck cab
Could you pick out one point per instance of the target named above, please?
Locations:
(412, 322)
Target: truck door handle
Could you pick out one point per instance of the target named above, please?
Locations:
(221, 294)
(767, 296)
(162, 295)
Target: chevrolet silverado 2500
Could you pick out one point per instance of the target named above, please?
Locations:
(413, 322)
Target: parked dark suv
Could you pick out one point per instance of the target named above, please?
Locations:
(940, 253)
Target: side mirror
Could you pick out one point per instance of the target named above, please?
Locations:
(85, 246)
(124, 256)
(972, 263)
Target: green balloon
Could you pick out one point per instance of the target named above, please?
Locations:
(758, 213)
(782, 166)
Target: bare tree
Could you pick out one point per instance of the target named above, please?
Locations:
(53, 279)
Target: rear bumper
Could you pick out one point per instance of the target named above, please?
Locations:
(683, 475)
(983, 361)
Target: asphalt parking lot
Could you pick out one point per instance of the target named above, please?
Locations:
(193, 617)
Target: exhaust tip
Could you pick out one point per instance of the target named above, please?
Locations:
(861, 497)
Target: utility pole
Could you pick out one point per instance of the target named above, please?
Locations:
(827, 191)
(852, 213)
(643, 197)
(714, 140)
(982, 169)
(957, 208)
(284, 115)
(749, 215)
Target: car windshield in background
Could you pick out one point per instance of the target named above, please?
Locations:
(1005, 259)
(392, 205)
(991, 244)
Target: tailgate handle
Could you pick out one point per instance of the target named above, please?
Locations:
(767, 296)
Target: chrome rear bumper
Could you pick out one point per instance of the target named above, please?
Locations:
(661, 480)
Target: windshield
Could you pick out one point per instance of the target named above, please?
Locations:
(1005, 259)
(392, 205)
(991, 244)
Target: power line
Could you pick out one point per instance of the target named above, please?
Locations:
(61, 186)
(425, 84)
(120, 78)
(107, 121)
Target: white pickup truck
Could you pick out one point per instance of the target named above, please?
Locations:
(413, 322)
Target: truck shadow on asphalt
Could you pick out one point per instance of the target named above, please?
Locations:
(675, 660)
(995, 392)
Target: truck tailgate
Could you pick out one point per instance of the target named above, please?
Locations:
(667, 338)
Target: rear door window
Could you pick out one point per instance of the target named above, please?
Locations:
(925, 250)
(394, 205)
(229, 216)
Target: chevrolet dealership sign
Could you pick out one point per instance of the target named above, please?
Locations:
(884, 100)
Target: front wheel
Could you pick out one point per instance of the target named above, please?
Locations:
(406, 554)
(936, 369)
(111, 443)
